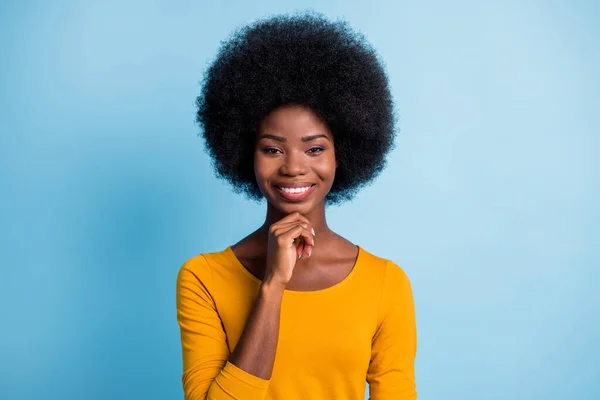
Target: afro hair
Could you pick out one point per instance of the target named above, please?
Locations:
(303, 59)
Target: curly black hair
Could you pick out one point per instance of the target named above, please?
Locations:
(299, 58)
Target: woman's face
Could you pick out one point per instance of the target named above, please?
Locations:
(294, 159)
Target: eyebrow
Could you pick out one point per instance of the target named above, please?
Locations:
(284, 139)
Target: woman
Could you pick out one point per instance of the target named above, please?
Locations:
(296, 109)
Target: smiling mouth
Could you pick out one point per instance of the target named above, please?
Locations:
(295, 194)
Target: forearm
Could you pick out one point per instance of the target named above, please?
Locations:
(257, 346)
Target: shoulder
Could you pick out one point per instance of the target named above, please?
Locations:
(385, 267)
(391, 278)
(396, 276)
(199, 268)
(395, 295)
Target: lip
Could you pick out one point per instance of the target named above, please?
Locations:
(293, 184)
(296, 196)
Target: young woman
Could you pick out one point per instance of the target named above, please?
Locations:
(296, 109)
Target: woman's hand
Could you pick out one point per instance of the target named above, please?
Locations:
(289, 238)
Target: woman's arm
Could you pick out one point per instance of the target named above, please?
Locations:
(391, 372)
(210, 371)
(255, 351)
(256, 348)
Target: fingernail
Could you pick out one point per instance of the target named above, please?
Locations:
(310, 252)
(313, 231)
(300, 256)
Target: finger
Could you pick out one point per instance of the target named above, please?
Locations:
(295, 216)
(302, 218)
(277, 226)
(308, 248)
(301, 233)
(299, 247)
(291, 218)
(288, 225)
(307, 241)
(307, 235)
(285, 228)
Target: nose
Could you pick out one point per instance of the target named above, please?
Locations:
(294, 163)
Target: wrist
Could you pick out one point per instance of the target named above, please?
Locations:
(271, 289)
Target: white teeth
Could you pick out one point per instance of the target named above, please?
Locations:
(295, 190)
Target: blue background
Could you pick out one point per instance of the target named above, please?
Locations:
(489, 203)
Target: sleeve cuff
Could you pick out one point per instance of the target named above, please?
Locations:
(239, 384)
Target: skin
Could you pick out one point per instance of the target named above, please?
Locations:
(271, 252)
(295, 160)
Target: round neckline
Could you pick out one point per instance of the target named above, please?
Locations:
(336, 286)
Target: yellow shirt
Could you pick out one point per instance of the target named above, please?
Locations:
(331, 341)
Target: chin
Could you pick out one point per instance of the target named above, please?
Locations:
(288, 207)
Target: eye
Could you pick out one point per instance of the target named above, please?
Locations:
(318, 150)
(270, 150)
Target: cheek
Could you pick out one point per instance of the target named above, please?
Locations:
(258, 168)
(262, 168)
(326, 167)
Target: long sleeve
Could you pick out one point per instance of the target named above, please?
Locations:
(207, 373)
(391, 373)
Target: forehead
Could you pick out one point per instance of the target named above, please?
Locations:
(293, 120)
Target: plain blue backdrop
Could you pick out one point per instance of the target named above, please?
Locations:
(490, 202)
